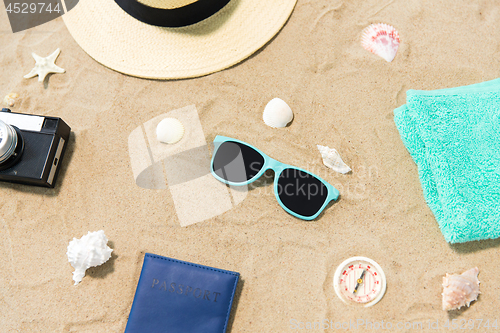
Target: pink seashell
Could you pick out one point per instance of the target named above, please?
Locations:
(460, 290)
(381, 39)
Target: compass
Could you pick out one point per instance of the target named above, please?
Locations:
(360, 281)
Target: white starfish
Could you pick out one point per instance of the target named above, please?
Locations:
(45, 66)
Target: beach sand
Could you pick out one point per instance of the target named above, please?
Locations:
(342, 96)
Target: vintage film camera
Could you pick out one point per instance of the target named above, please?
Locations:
(31, 148)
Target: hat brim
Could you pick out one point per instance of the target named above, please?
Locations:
(118, 41)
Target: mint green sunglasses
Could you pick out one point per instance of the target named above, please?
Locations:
(299, 192)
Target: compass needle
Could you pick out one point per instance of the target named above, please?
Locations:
(359, 281)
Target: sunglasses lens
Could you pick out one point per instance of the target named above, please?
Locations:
(236, 162)
(301, 192)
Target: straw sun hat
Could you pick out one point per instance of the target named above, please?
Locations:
(171, 39)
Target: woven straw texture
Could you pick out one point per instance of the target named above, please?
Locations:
(122, 43)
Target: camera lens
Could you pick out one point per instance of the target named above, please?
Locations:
(8, 141)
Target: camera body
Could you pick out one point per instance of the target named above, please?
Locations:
(31, 148)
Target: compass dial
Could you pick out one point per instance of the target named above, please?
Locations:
(359, 280)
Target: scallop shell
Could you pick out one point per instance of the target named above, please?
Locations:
(381, 39)
(332, 159)
(277, 113)
(10, 99)
(169, 130)
(89, 251)
(460, 290)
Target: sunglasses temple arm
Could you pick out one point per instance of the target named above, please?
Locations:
(334, 193)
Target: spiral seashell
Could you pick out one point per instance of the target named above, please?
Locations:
(89, 251)
(169, 130)
(277, 113)
(460, 289)
(332, 159)
(10, 99)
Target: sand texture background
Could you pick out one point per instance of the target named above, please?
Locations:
(342, 96)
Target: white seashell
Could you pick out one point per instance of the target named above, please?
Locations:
(277, 113)
(332, 159)
(89, 251)
(10, 99)
(381, 39)
(460, 290)
(169, 130)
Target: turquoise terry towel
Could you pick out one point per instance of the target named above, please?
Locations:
(453, 136)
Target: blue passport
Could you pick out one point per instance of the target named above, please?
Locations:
(177, 296)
